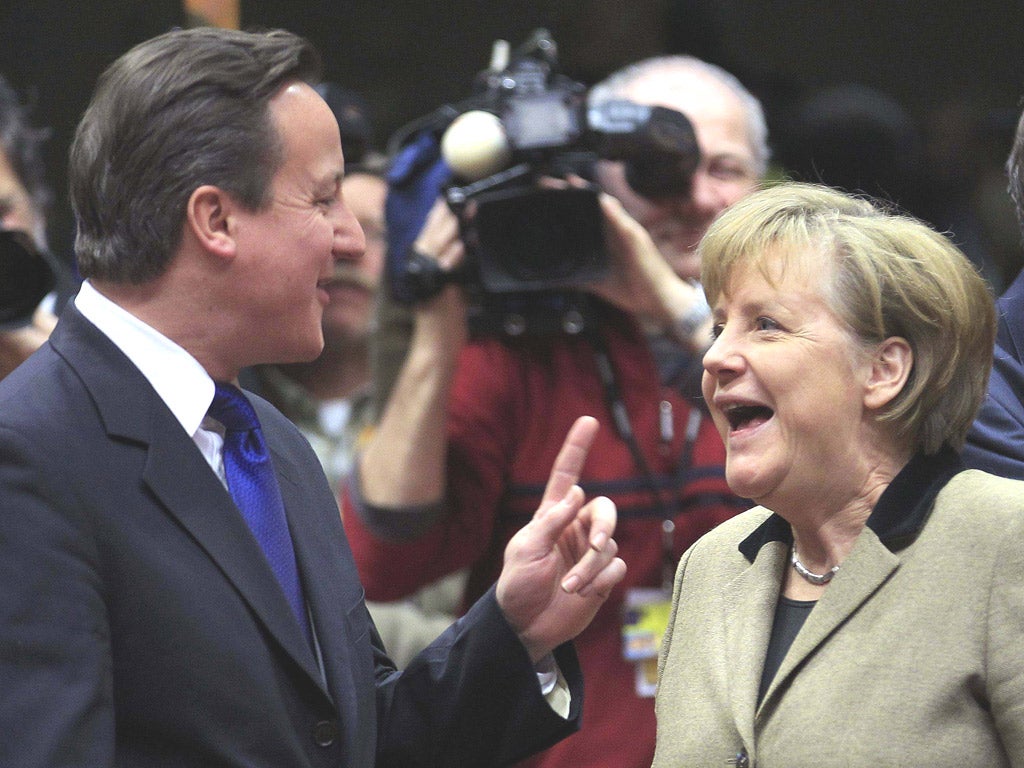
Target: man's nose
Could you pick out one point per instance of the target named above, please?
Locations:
(349, 238)
(704, 194)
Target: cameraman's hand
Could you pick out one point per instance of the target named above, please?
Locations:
(560, 567)
(642, 282)
(439, 239)
(442, 317)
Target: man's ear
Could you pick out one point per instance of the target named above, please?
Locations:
(209, 217)
(890, 368)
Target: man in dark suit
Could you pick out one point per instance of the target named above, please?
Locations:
(996, 441)
(141, 622)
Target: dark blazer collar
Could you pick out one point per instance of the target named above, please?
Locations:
(119, 390)
(901, 511)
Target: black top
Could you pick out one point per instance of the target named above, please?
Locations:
(790, 615)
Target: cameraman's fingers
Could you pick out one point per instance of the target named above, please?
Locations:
(570, 180)
(439, 234)
(616, 215)
(452, 255)
(578, 181)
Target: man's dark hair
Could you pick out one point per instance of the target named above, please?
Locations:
(184, 109)
(1015, 172)
(22, 143)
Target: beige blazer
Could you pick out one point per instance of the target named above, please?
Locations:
(912, 657)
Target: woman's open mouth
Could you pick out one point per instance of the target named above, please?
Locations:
(745, 417)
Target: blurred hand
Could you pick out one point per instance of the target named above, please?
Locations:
(560, 567)
(440, 239)
(640, 277)
(441, 320)
(642, 282)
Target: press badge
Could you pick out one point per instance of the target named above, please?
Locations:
(644, 620)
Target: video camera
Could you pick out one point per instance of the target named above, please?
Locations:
(527, 242)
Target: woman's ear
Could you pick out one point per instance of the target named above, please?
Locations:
(890, 368)
(208, 215)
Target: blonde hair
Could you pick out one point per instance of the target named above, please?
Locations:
(894, 276)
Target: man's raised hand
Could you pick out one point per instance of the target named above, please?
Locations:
(560, 567)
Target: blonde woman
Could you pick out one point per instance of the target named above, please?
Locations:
(869, 611)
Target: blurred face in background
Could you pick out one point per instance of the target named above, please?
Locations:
(17, 210)
(726, 173)
(349, 316)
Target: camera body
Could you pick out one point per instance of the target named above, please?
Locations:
(527, 122)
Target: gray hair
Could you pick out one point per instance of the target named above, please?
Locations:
(613, 86)
(184, 109)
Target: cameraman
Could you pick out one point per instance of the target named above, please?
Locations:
(471, 423)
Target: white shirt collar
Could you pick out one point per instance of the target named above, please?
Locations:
(178, 378)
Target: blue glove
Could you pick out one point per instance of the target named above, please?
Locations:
(415, 181)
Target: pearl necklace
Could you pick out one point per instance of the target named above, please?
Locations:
(815, 578)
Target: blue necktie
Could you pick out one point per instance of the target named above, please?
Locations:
(254, 488)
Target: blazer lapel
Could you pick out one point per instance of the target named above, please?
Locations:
(868, 566)
(751, 599)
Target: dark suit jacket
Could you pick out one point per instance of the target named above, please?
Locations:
(140, 624)
(996, 440)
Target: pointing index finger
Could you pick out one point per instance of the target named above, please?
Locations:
(565, 472)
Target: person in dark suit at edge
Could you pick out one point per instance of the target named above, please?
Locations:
(145, 621)
(996, 440)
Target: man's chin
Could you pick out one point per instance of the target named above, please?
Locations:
(305, 351)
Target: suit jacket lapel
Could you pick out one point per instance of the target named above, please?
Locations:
(179, 476)
(318, 554)
(751, 602)
(334, 595)
(868, 566)
(204, 507)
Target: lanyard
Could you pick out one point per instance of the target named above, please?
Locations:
(624, 427)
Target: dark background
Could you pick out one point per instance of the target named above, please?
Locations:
(955, 68)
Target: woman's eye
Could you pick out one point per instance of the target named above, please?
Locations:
(716, 330)
(766, 324)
